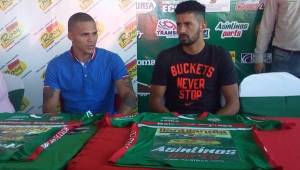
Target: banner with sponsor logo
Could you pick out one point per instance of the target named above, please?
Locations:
(232, 24)
(32, 32)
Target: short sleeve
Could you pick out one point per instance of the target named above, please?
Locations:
(227, 70)
(160, 70)
(118, 68)
(51, 75)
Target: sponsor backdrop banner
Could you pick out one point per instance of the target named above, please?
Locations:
(32, 32)
(232, 24)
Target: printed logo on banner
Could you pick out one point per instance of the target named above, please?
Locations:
(143, 89)
(145, 62)
(11, 33)
(25, 103)
(166, 28)
(51, 33)
(145, 6)
(232, 55)
(249, 5)
(17, 67)
(84, 4)
(248, 58)
(139, 34)
(132, 68)
(128, 35)
(169, 6)
(44, 4)
(100, 28)
(5, 4)
(206, 33)
(231, 29)
(124, 3)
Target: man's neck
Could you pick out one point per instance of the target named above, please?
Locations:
(82, 57)
(194, 48)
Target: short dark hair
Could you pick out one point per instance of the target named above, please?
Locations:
(78, 17)
(190, 6)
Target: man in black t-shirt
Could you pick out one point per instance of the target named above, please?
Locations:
(190, 77)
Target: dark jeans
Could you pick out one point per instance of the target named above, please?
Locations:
(286, 61)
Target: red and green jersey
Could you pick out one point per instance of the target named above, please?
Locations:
(25, 136)
(194, 142)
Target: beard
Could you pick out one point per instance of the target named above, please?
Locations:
(187, 40)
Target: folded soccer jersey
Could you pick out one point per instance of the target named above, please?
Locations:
(25, 136)
(192, 142)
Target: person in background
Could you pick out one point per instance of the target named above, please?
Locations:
(281, 18)
(5, 105)
(189, 77)
(85, 77)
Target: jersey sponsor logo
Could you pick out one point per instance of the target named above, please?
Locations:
(166, 28)
(204, 150)
(128, 35)
(231, 29)
(249, 5)
(51, 33)
(5, 4)
(145, 6)
(145, 62)
(190, 89)
(17, 67)
(10, 34)
(248, 58)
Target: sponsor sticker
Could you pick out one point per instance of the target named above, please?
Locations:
(231, 29)
(166, 28)
(145, 6)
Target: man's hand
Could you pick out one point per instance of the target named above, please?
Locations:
(259, 67)
(126, 93)
(51, 99)
(157, 99)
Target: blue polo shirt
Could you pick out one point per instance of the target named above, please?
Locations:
(89, 86)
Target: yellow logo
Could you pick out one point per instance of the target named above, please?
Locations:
(52, 32)
(84, 4)
(124, 3)
(100, 28)
(13, 31)
(232, 55)
(25, 103)
(44, 4)
(16, 68)
(4, 4)
(132, 68)
(128, 35)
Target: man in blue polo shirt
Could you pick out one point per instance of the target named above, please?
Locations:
(84, 78)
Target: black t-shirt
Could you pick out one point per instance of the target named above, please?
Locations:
(193, 81)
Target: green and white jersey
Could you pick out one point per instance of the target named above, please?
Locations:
(195, 142)
(25, 136)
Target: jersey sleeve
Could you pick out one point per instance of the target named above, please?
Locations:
(227, 72)
(51, 75)
(118, 68)
(160, 71)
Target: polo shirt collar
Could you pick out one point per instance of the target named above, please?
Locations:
(93, 56)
